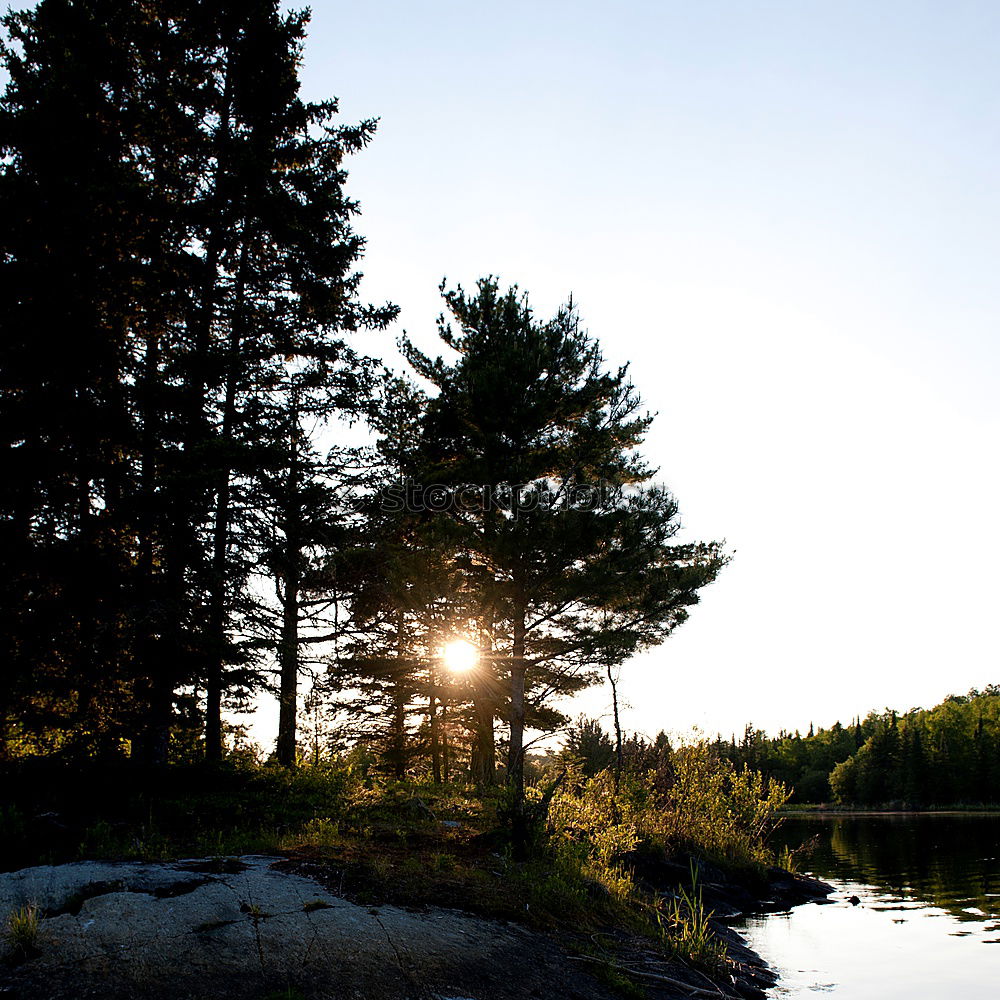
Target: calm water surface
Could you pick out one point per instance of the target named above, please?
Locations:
(928, 923)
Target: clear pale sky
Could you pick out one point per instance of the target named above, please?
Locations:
(786, 217)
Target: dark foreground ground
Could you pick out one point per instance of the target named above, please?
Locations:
(309, 926)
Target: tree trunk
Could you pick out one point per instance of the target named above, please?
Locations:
(154, 745)
(433, 724)
(520, 833)
(217, 625)
(518, 667)
(288, 656)
(618, 727)
(397, 735)
(217, 611)
(152, 742)
(445, 768)
(216, 621)
(484, 763)
(288, 652)
(484, 769)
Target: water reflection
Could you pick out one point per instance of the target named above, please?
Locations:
(949, 861)
(926, 923)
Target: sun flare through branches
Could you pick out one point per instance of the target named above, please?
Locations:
(460, 656)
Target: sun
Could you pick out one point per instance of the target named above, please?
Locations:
(460, 655)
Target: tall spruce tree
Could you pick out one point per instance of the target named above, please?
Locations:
(94, 276)
(278, 259)
(176, 238)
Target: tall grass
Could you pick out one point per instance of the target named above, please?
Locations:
(21, 930)
(686, 930)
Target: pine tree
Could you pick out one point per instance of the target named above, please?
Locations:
(534, 443)
(589, 746)
(404, 594)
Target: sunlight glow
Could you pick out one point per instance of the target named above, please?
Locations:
(460, 655)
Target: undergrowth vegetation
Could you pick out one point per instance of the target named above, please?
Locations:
(417, 843)
(20, 930)
(600, 827)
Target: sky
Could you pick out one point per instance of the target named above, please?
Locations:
(786, 218)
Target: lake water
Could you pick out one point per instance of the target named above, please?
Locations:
(927, 925)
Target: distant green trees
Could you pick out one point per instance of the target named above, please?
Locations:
(946, 755)
(589, 746)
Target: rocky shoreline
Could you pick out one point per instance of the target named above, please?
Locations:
(730, 898)
(729, 902)
(193, 929)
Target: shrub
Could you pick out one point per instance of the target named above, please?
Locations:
(710, 809)
(718, 811)
(599, 825)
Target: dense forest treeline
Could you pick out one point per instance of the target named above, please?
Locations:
(183, 531)
(183, 342)
(945, 755)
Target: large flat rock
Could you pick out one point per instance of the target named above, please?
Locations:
(243, 929)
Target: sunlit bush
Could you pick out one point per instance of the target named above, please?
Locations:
(599, 827)
(711, 809)
(719, 811)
